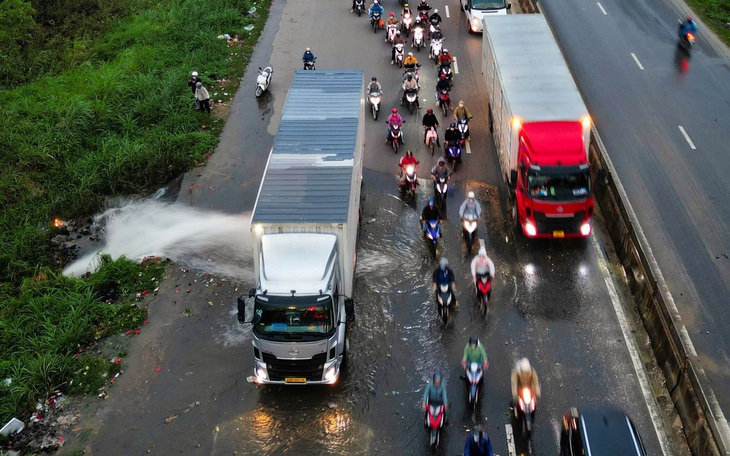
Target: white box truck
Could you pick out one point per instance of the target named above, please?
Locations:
(304, 231)
(540, 125)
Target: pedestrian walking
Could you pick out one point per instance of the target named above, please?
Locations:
(202, 97)
(193, 83)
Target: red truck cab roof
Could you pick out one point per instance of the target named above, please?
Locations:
(554, 143)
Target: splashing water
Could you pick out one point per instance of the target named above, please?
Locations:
(206, 241)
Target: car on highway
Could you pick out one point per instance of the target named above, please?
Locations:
(475, 11)
(604, 432)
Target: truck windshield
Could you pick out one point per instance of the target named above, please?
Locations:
(294, 316)
(556, 185)
(487, 4)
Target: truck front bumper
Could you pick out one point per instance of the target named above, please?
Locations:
(330, 374)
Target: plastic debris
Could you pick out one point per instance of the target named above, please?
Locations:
(170, 419)
(159, 369)
(248, 28)
(252, 10)
(12, 427)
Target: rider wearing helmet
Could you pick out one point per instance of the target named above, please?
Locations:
(307, 56)
(445, 275)
(440, 171)
(478, 443)
(430, 120)
(397, 40)
(445, 58)
(688, 26)
(391, 22)
(410, 86)
(470, 206)
(406, 160)
(482, 266)
(523, 375)
(435, 392)
(410, 62)
(435, 19)
(424, 6)
(417, 24)
(451, 135)
(375, 8)
(394, 119)
(474, 353)
(374, 86)
(430, 212)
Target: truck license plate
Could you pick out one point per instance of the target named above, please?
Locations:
(295, 380)
(559, 234)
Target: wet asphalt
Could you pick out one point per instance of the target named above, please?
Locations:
(550, 301)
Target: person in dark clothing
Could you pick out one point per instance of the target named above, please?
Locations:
(430, 120)
(192, 83)
(478, 443)
(444, 274)
(430, 212)
(451, 135)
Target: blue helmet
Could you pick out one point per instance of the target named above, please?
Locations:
(437, 377)
(430, 201)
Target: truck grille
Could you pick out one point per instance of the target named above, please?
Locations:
(547, 224)
(311, 369)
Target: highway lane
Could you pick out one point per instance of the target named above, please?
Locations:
(664, 120)
(550, 300)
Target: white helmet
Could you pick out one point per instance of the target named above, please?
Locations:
(194, 73)
(523, 366)
(482, 252)
(436, 11)
(470, 195)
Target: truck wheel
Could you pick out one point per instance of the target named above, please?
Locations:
(491, 126)
(345, 352)
(516, 215)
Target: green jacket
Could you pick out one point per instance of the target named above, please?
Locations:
(476, 355)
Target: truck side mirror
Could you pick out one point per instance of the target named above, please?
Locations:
(251, 292)
(513, 176)
(242, 317)
(349, 310)
(509, 5)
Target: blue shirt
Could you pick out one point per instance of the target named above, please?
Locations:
(376, 8)
(443, 276)
(435, 394)
(483, 447)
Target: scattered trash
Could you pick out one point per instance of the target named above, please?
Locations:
(159, 369)
(252, 10)
(248, 28)
(8, 381)
(170, 419)
(136, 331)
(332, 405)
(12, 427)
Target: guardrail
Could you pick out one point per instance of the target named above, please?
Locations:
(704, 424)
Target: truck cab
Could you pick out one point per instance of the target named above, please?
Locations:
(477, 10)
(299, 314)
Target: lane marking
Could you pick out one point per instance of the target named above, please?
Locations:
(468, 148)
(637, 61)
(633, 351)
(510, 440)
(456, 66)
(686, 136)
(602, 10)
(447, 10)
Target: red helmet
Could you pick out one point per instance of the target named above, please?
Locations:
(430, 111)
(395, 110)
(392, 14)
(443, 76)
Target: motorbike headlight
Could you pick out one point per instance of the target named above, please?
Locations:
(530, 228)
(410, 169)
(526, 395)
(585, 229)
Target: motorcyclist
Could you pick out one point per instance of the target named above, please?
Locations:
(478, 443)
(424, 6)
(688, 26)
(444, 275)
(407, 159)
(436, 34)
(417, 24)
(406, 13)
(461, 112)
(391, 22)
(394, 119)
(435, 393)
(397, 40)
(353, 6)
(374, 86)
(430, 120)
(451, 136)
(429, 212)
(410, 62)
(376, 7)
(435, 19)
(308, 56)
(523, 375)
(470, 206)
(443, 86)
(474, 353)
(482, 265)
(440, 171)
(445, 58)
(410, 86)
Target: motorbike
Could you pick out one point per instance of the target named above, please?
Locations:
(413, 71)
(435, 422)
(359, 7)
(441, 187)
(433, 233)
(484, 289)
(309, 64)
(463, 128)
(399, 51)
(435, 50)
(396, 137)
(474, 379)
(453, 154)
(411, 182)
(418, 38)
(374, 100)
(412, 100)
(444, 297)
(686, 40)
(469, 230)
(392, 28)
(406, 24)
(444, 101)
(432, 27)
(445, 69)
(525, 408)
(263, 80)
(432, 137)
(376, 22)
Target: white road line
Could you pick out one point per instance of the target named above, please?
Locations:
(602, 10)
(637, 61)
(447, 10)
(456, 66)
(686, 136)
(633, 351)
(510, 440)
(468, 148)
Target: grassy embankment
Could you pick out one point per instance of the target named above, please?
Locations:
(716, 14)
(95, 104)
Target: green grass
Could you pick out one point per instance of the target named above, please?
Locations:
(95, 105)
(716, 14)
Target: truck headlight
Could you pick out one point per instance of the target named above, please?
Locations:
(474, 24)
(261, 375)
(585, 229)
(530, 228)
(330, 374)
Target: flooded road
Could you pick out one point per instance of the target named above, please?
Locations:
(550, 300)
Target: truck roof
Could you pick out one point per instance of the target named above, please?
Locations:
(534, 74)
(559, 142)
(310, 169)
(309, 262)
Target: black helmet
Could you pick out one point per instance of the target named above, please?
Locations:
(410, 76)
(452, 125)
(473, 340)
(373, 79)
(437, 377)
